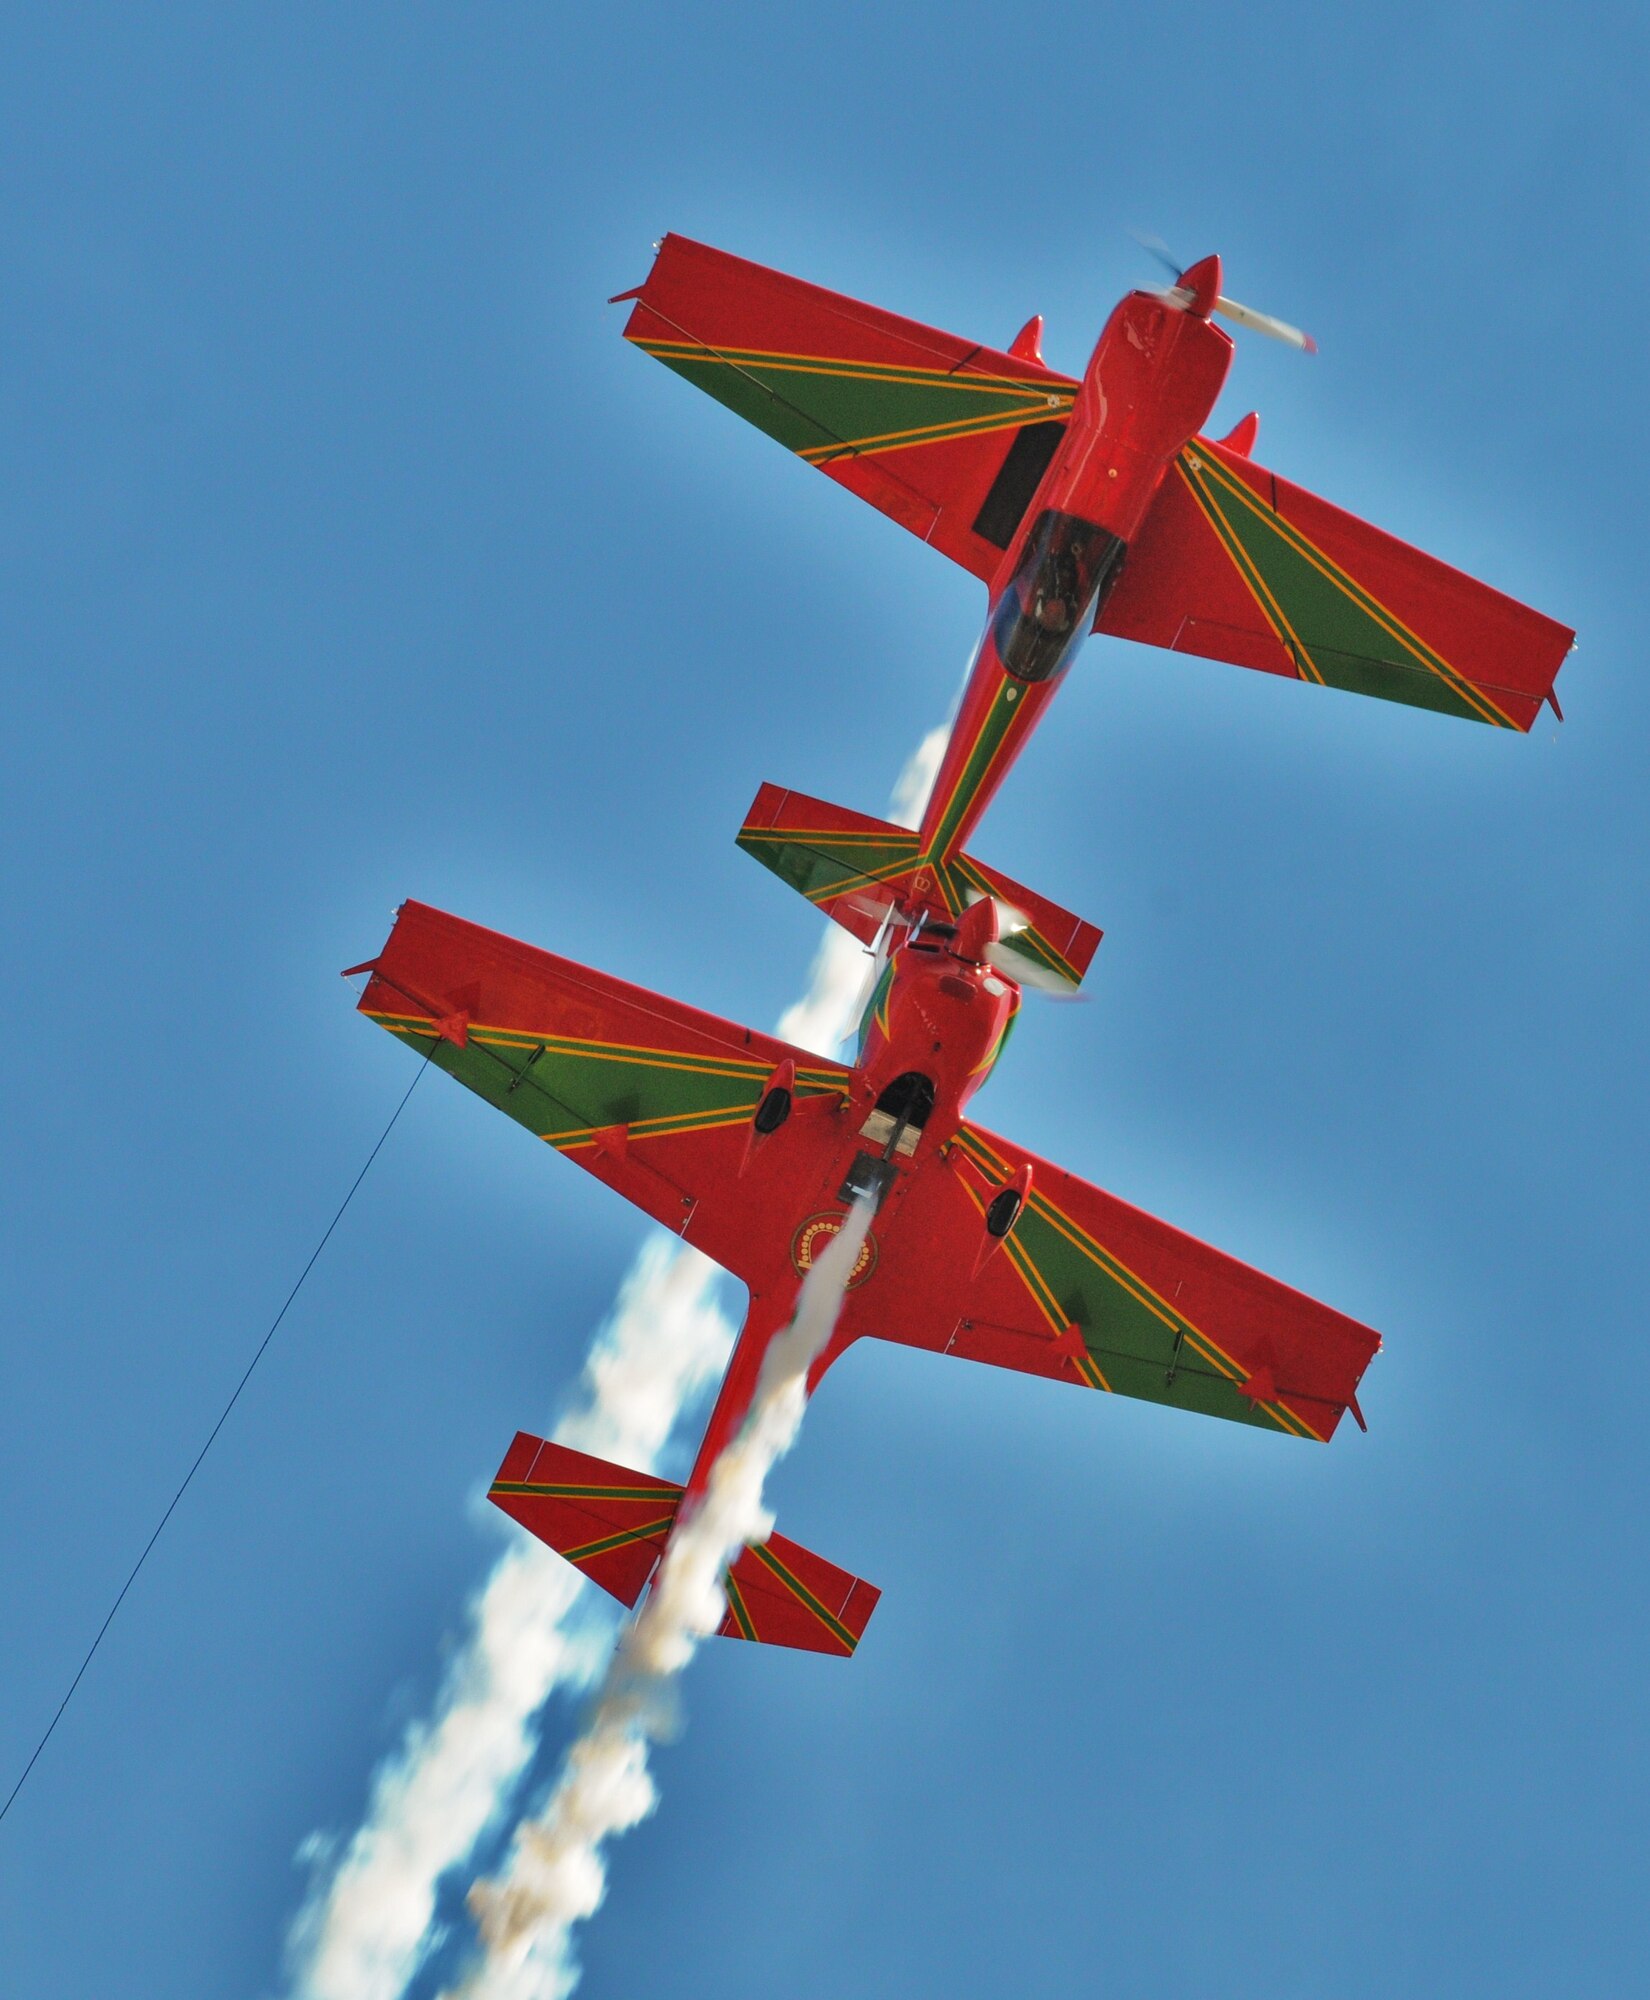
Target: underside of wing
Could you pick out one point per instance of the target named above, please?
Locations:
(945, 436)
(652, 1097)
(1089, 1290)
(1237, 564)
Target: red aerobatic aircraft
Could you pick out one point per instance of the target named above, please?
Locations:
(754, 1150)
(1081, 505)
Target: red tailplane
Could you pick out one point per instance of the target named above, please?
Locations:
(612, 1525)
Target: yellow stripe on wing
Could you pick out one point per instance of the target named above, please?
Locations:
(1062, 387)
(622, 1538)
(1114, 1268)
(1270, 609)
(804, 1596)
(735, 1068)
(879, 443)
(1208, 465)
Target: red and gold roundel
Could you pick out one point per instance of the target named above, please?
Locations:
(810, 1240)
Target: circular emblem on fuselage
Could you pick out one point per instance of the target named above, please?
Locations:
(810, 1240)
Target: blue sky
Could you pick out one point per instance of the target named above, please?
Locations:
(347, 554)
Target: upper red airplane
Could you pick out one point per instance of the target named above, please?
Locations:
(1092, 505)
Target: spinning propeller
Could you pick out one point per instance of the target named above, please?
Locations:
(1025, 972)
(1239, 315)
(1000, 954)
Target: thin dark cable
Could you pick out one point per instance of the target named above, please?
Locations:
(211, 1438)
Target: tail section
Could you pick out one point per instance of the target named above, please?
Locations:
(858, 870)
(609, 1523)
(612, 1524)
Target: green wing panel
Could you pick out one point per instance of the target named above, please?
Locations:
(1237, 564)
(1165, 1317)
(823, 409)
(569, 1091)
(653, 1097)
(1089, 1290)
(943, 435)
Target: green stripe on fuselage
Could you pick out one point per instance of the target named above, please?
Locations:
(997, 726)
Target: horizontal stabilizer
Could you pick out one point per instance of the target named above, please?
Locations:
(785, 1595)
(856, 869)
(607, 1522)
(612, 1524)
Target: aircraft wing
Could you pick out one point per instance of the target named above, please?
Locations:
(1237, 564)
(945, 436)
(652, 1097)
(1089, 1290)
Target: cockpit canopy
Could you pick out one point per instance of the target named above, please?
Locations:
(1050, 604)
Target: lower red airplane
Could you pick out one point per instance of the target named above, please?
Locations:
(754, 1151)
(1091, 505)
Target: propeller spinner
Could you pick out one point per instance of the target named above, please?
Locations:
(1191, 296)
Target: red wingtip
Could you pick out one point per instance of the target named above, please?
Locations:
(1308, 344)
(349, 971)
(635, 292)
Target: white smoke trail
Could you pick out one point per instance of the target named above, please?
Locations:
(366, 1926)
(838, 982)
(555, 1875)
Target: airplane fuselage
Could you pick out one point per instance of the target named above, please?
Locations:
(1147, 391)
(933, 1030)
(938, 1019)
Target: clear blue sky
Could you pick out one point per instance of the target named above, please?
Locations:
(347, 553)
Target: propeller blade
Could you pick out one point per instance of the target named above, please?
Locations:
(1028, 974)
(1240, 315)
(1154, 246)
(1259, 322)
(868, 907)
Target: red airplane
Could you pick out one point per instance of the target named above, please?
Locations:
(1091, 505)
(754, 1151)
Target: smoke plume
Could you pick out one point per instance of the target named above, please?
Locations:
(366, 1926)
(555, 1874)
(365, 1929)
